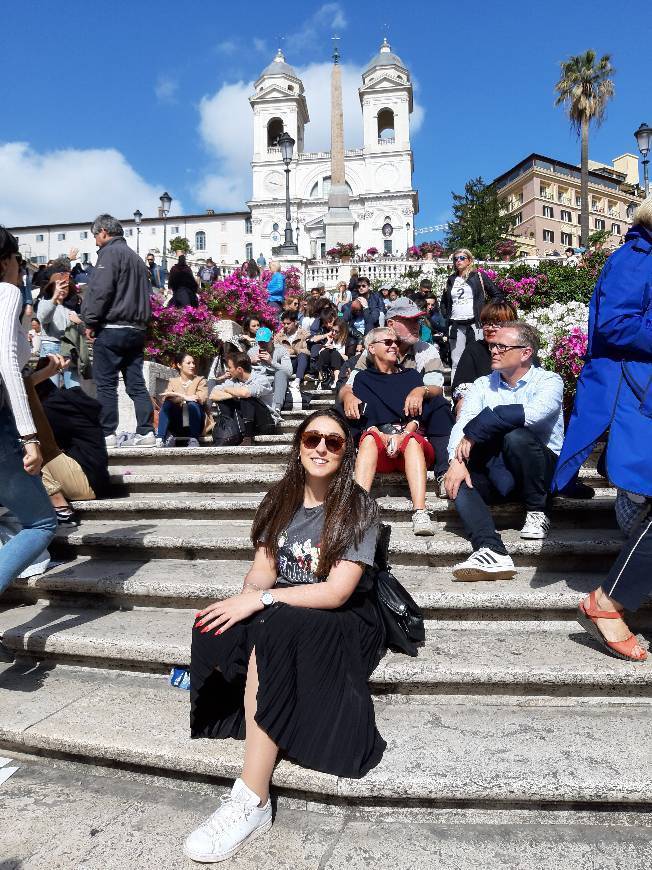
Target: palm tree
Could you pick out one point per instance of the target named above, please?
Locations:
(585, 87)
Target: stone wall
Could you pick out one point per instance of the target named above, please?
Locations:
(156, 378)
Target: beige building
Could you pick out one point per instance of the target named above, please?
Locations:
(543, 197)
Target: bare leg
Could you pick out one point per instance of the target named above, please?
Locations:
(416, 473)
(612, 629)
(59, 500)
(260, 750)
(365, 464)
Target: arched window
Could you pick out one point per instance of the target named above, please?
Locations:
(249, 228)
(274, 131)
(322, 188)
(385, 125)
(200, 241)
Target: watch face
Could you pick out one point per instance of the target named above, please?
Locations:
(274, 183)
(267, 598)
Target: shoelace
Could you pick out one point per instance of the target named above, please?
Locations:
(228, 812)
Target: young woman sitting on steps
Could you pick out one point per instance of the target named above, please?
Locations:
(285, 663)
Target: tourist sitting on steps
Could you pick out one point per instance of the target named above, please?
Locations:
(285, 664)
(332, 355)
(183, 412)
(250, 327)
(274, 363)
(294, 338)
(505, 443)
(247, 392)
(391, 439)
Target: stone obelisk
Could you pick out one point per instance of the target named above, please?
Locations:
(339, 221)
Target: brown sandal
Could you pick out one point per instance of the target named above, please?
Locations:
(628, 649)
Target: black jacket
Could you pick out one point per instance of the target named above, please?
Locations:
(480, 296)
(119, 289)
(474, 363)
(75, 421)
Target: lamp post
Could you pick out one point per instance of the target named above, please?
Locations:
(138, 216)
(286, 144)
(166, 202)
(643, 137)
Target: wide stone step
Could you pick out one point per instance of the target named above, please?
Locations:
(483, 657)
(191, 457)
(88, 582)
(439, 749)
(236, 477)
(565, 549)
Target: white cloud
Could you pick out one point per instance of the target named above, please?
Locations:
(226, 128)
(260, 45)
(70, 185)
(329, 17)
(228, 46)
(166, 89)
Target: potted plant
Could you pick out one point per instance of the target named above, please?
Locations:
(430, 250)
(372, 252)
(179, 245)
(506, 249)
(413, 253)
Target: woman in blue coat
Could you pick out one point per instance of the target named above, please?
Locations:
(614, 393)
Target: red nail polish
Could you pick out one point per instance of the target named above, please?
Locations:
(204, 630)
(219, 631)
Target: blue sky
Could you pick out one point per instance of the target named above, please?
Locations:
(110, 105)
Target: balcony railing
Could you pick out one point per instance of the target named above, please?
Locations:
(547, 194)
(391, 141)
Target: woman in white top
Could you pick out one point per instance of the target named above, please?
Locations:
(466, 293)
(55, 319)
(21, 489)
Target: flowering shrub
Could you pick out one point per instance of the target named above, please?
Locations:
(342, 249)
(237, 296)
(563, 331)
(176, 330)
(506, 248)
(433, 248)
(413, 252)
(567, 356)
(371, 252)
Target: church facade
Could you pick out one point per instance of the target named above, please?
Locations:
(378, 174)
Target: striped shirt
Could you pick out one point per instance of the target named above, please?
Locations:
(14, 355)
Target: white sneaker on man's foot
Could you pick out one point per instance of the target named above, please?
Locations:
(192, 442)
(537, 526)
(484, 564)
(111, 440)
(238, 820)
(421, 523)
(148, 440)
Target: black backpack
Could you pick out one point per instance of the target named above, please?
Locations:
(228, 431)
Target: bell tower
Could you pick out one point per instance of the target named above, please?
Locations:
(386, 98)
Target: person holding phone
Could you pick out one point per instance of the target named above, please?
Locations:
(183, 408)
(21, 489)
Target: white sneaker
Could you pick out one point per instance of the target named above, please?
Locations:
(484, 564)
(148, 440)
(421, 523)
(192, 442)
(111, 440)
(238, 820)
(537, 526)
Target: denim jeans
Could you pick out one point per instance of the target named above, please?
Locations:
(120, 351)
(67, 379)
(300, 365)
(25, 497)
(532, 465)
(170, 419)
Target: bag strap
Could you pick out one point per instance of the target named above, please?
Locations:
(484, 292)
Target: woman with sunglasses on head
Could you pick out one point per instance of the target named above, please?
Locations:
(465, 294)
(285, 662)
(475, 362)
(21, 489)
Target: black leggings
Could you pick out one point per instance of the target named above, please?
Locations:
(329, 360)
(630, 578)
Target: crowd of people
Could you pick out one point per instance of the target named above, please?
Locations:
(285, 663)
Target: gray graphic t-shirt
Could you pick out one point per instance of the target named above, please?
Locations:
(298, 553)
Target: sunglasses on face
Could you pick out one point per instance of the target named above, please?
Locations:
(388, 342)
(460, 257)
(312, 439)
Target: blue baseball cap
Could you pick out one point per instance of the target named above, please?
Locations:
(263, 333)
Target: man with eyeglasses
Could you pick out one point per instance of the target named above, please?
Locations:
(505, 443)
(373, 306)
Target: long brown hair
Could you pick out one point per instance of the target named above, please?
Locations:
(348, 509)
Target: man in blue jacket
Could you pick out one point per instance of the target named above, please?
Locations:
(614, 394)
(505, 443)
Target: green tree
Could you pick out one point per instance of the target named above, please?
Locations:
(479, 222)
(179, 245)
(585, 88)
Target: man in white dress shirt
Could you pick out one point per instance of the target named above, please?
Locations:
(505, 444)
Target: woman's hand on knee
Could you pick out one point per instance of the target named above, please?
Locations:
(223, 614)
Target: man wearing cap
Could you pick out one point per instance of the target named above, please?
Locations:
(275, 364)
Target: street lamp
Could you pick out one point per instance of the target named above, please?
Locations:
(166, 202)
(643, 136)
(286, 144)
(138, 216)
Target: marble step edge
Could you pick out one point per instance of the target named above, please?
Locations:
(473, 656)
(511, 755)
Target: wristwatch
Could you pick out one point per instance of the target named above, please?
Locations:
(267, 599)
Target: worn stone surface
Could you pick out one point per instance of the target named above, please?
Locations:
(438, 750)
(528, 654)
(109, 822)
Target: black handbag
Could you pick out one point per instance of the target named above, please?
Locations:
(402, 618)
(228, 431)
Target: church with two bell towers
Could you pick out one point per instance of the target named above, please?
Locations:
(376, 204)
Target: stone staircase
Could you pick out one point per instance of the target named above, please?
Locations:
(508, 711)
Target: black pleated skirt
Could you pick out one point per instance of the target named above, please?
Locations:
(313, 671)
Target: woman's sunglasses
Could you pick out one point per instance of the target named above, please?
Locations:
(460, 257)
(312, 439)
(388, 342)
